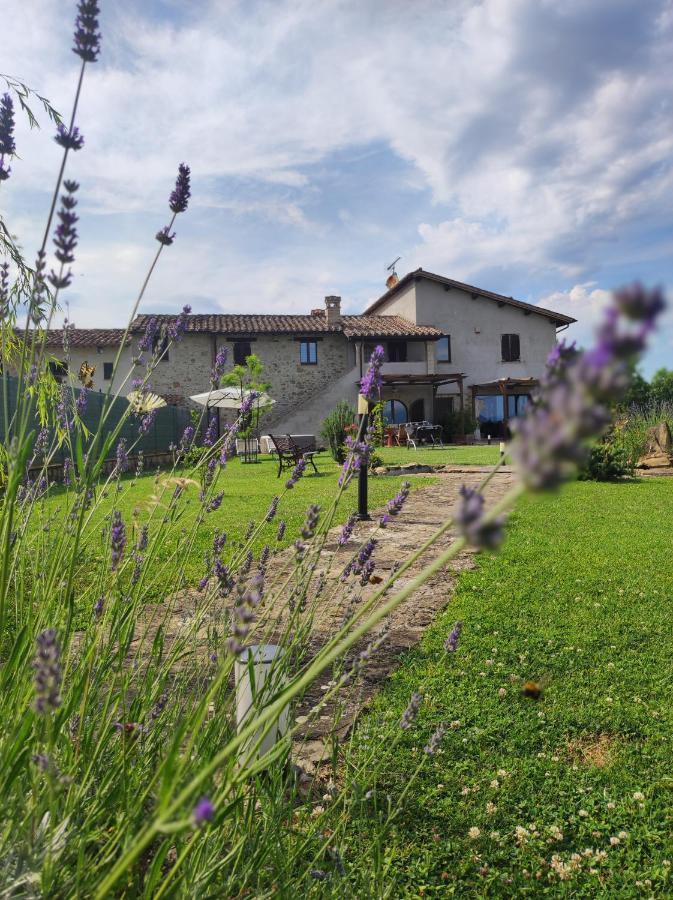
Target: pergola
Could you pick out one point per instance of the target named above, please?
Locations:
(503, 387)
(435, 380)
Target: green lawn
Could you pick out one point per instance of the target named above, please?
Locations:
(476, 455)
(249, 489)
(579, 600)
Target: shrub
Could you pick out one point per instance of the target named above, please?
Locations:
(607, 461)
(335, 428)
(457, 424)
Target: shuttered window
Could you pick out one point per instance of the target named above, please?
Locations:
(510, 348)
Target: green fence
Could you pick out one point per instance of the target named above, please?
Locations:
(167, 428)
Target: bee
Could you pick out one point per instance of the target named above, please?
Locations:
(532, 689)
(86, 373)
(144, 403)
(375, 579)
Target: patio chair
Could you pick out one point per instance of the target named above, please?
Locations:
(289, 453)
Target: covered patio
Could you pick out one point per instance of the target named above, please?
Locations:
(414, 397)
(496, 402)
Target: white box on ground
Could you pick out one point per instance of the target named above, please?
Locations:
(252, 668)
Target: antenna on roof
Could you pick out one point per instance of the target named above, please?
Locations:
(392, 279)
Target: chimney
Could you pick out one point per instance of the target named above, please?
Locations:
(333, 309)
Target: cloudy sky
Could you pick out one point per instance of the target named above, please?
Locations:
(525, 146)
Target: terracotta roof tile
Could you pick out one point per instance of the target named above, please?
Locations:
(350, 326)
(86, 337)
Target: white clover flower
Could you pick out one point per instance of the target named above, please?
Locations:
(639, 796)
(474, 833)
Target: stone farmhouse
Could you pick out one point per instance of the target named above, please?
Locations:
(448, 346)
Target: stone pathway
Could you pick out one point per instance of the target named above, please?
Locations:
(425, 510)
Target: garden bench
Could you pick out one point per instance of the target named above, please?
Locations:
(289, 453)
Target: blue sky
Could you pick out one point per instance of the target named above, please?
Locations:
(525, 146)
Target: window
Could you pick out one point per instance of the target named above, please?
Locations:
(58, 369)
(160, 347)
(394, 412)
(417, 411)
(397, 351)
(510, 348)
(444, 349)
(242, 350)
(308, 353)
(107, 371)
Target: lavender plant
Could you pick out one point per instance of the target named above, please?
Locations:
(123, 769)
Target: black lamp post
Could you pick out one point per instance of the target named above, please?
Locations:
(363, 512)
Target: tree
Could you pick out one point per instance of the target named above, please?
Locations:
(248, 378)
(639, 391)
(662, 386)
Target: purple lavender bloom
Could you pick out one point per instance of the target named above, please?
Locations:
(218, 366)
(367, 571)
(67, 470)
(471, 524)
(143, 539)
(211, 433)
(223, 576)
(311, 522)
(347, 530)
(146, 343)
(121, 458)
(435, 739)
(41, 442)
(297, 472)
(216, 502)
(364, 554)
(69, 140)
(165, 237)
(47, 678)
(411, 712)
(4, 289)
(147, 421)
(370, 385)
(180, 196)
(65, 239)
(204, 811)
(272, 510)
(552, 438)
(247, 602)
(81, 402)
(178, 327)
(187, 437)
(203, 584)
(7, 144)
(247, 404)
(384, 520)
(87, 37)
(98, 607)
(219, 540)
(451, 643)
(280, 534)
(395, 505)
(117, 538)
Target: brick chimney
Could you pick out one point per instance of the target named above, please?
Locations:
(333, 309)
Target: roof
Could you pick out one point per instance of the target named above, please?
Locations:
(410, 277)
(350, 326)
(86, 337)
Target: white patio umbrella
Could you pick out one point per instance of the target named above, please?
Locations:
(230, 398)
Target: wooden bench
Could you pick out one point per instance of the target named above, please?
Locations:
(289, 453)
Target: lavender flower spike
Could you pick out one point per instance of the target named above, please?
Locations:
(469, 519)
(7, 144)
(370, 385)
(47, 678)
(347, 530)
(451, 643)
(411, 712)
(164, 236)
(69, 140)
(180, 196)
(218, 366)
(117, 538)
(436, 739)
(297, 472)
(203, 811)
(87, 36)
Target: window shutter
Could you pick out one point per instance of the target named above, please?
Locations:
(504, 347)
(514, 347)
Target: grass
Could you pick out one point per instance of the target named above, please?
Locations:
(249, 489)
(467, 455)
(579, 600)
